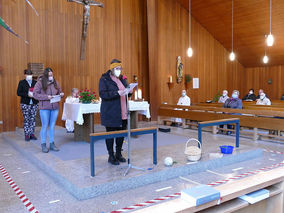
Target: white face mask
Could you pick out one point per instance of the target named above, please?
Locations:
(50, 78)
(250, 92)
(183, 94)
(224, 94)
(234, 95)
(117, 72)
(29, 77)
(262, 97)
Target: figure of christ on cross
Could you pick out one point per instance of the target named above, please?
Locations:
(86, 19)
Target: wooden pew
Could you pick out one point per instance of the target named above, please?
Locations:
(274, 104)
(256, 119)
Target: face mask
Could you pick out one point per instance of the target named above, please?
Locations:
(250, 92)
(262, 97)
(29, 77)
(117, 72)
(50, 78)
(183, 94)
(224, 94)
(234, 96)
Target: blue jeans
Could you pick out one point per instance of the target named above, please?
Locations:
(48, 119)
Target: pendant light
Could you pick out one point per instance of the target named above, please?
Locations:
(270, 38)
(265, 57)
(189, 50)
(232, 54)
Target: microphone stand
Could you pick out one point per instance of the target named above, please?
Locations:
(129, 141)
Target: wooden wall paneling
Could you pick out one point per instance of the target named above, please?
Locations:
(258, 77)
(55, 38)
(153, 45)
(250, 25)
(210, 61)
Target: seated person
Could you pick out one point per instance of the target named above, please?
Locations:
(263, 100)
(259, 92)
(74, 98)
(250, 96)
(184, 100)
(233, 103)
(224, 97)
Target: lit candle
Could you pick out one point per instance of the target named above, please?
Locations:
(171, 79)
(135, 95)
(139, 94)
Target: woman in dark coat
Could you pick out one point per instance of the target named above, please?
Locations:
(29, 105)
(112, 90)
(250, 96)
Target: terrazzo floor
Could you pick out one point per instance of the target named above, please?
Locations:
(48, 196)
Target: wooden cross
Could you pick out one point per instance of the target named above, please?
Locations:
(86, 19)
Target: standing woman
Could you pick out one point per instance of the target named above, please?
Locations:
(28, 104)
(112, 90)
(45, 89)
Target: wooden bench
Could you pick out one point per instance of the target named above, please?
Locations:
(276, 103)
(121, 133)
(256, 119)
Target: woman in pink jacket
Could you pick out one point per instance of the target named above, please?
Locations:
(45, 89)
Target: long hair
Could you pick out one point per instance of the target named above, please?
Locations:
(44, 79)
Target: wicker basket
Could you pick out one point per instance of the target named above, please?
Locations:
(193, 152)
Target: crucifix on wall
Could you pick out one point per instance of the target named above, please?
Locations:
(86, 19)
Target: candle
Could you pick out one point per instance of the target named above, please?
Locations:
(135, 95)
(139, 94)
(171, 79)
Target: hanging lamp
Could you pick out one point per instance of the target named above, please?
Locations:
(270, 37)
(189, 50)
(232, 54)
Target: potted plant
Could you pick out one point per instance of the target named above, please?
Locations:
(86, 96)
(216, 97)
(187, 78)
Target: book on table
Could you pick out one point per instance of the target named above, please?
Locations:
(200, 194)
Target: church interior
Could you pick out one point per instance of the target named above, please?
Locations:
(142, 106)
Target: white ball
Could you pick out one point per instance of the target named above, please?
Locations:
(168, 161)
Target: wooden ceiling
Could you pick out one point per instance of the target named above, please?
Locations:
(251, 24)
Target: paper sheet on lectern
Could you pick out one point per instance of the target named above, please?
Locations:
(55, 99)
